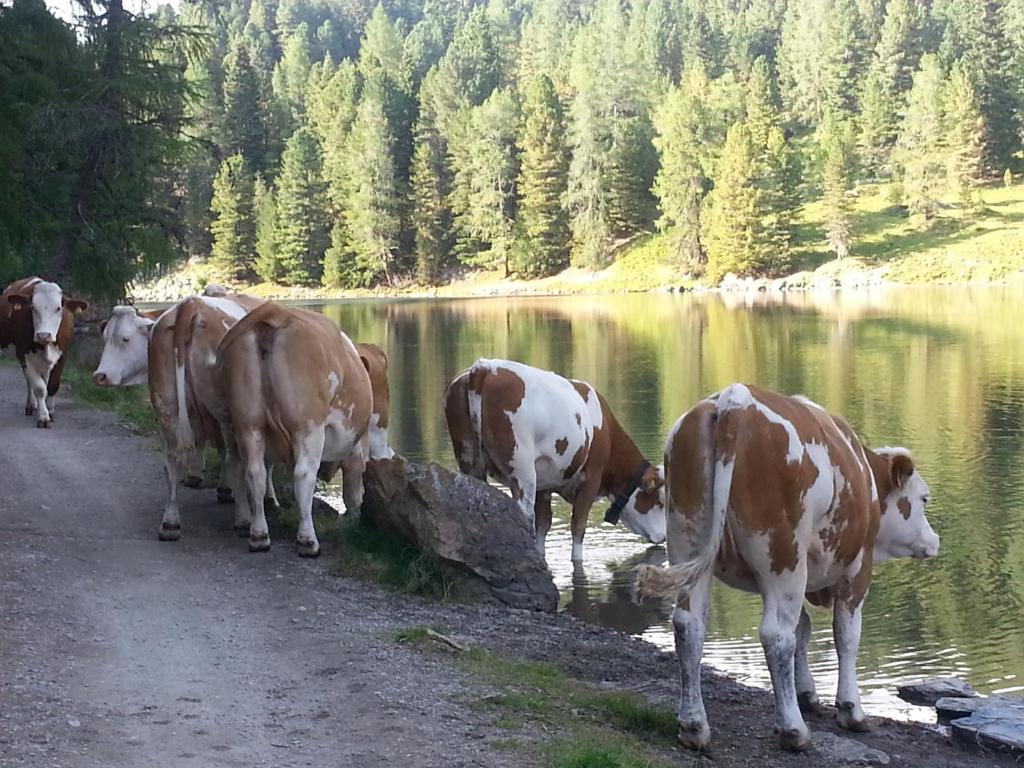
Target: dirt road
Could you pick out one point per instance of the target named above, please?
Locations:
(119, 650)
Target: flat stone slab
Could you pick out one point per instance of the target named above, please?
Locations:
(999, 729)
(926, 693)
(950, 708)
(836, 749)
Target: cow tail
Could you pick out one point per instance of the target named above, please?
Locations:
(671, 581)
(184, 434)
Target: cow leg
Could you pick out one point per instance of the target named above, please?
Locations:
(170, 525)
(234, 482)
(308, 452)
(30, 398)
(846, 620)
(806, 694)
(542, 519)
(783, 601)
(352, 470)
(36, 374)
(582, 501)
(194, 476)
(253, 451)
(53, 383)
(689, 624)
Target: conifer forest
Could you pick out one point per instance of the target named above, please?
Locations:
(345, 143)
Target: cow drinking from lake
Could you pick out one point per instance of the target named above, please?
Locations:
(775, 495)
(39, 321)
(539, 433)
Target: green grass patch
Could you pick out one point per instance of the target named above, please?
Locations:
(131, 404)
(590, 728)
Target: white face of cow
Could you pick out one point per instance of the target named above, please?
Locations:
(904, 530)
(125, 359)
(644, 513)
(47, 312)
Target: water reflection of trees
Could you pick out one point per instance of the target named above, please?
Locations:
(941, 371)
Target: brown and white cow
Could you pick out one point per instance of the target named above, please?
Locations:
(298, 394)
(39, 321)
(376, 363)
(775, 495)
(539, 433)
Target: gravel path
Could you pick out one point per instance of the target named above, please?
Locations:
(118, 650)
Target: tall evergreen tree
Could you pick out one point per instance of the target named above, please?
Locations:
(485, 180)
(762, 111)
(543, 180)
(837, 148)
(964, 136)
(292, 71)
(732, 219)
(267, 265)
(843, 60)
(431, 211)
(919, 151)
(302, 227)
(244, 129)
(372, 218)
(682, 125)
(778, 201)
(234, 223)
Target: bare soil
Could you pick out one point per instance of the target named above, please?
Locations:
(119, 650)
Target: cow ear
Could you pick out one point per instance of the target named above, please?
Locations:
(76, 306)
(652, 480)
(901, 467)
(19, 299)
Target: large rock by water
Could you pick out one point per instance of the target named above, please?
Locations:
(925, 693)
(466, 524)
(998, 728)
(951, 708)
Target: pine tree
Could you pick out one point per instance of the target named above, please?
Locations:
(843, 59)
(430, 188)
(964, 136)
(485, 180)
(682, 125)
(244, 129)
(762, 111)
(836, 146)
(301, 206)
(919, 150)
(802, 58)
(234, 226)
(372, 216)
(267, 264)
(778, 203)
(292, 71)
(732, 219)
(543, 181)
(890, 74)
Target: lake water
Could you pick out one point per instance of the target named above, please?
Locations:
(940, 371)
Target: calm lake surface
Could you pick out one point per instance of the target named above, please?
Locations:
(938, 370)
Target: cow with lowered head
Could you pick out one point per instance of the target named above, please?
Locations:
(39, 321)
(540, 433)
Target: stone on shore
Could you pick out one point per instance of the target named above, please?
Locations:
(952, 708)
(837, 749)
(926, 693)
(466, 524)
(999, 728)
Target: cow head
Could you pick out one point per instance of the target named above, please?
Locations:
(47, 302)
(644, 513)
(125, 359)
(904, 531)
(376, 363)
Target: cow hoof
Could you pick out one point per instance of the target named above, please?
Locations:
(29, 410)
(795, 740)
(259, 543)
(694, 735)
(809, 703)
(169, 532)
(41, 424)
(848, 721)
(192, 481)
(308, 548)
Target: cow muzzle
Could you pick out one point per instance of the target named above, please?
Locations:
(101, 379)
(44, 338)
